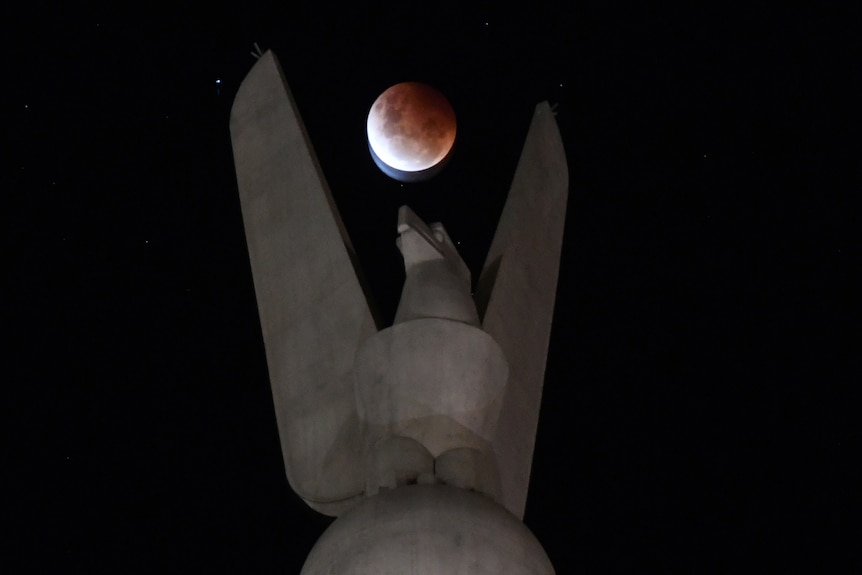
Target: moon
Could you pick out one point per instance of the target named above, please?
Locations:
(411, 131)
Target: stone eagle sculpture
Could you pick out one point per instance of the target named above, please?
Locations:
(449, 394)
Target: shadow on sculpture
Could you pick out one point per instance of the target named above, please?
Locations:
(419, 436)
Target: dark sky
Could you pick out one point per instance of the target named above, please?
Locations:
(698, 413)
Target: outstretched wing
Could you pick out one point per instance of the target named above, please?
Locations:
(314, 313)
(516, 293)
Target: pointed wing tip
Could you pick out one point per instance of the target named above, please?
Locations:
(267, 63)
(314, 312)
(543, 116)
(518, 288)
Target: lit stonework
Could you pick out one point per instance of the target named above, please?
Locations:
(418, 436)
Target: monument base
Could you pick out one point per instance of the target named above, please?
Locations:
(427, 530)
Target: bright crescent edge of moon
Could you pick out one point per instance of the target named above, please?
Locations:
(412, 150)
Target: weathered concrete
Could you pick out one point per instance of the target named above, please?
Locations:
(516, 293)
(427, 530)
(313, 312)
(399, 431)
(437, 282)
(437, 381)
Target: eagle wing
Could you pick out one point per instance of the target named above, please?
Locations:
(516, 291)
(314, 312)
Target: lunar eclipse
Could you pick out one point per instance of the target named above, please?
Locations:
(411, 131)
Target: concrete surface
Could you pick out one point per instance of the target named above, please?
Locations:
(427, 530)
(516, 292)
(313, 312)
(420, 436)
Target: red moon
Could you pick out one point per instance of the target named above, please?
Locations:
(411, 130)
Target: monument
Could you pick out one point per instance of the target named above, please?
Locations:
(417, 436)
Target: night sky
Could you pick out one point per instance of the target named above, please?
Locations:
(698, 412)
